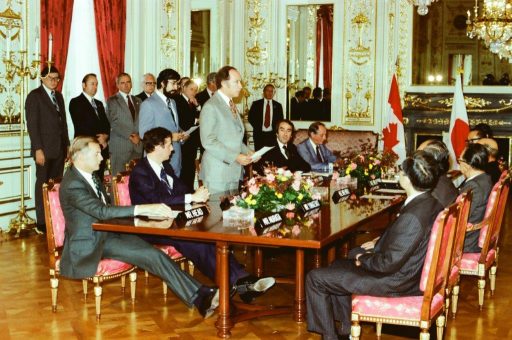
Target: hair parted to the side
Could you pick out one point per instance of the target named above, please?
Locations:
(154, 137)
(80, 143)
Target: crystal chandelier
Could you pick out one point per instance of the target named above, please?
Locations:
(493, 26)
(422, 5)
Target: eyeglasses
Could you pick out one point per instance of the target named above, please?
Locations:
(55, 79)
(472, 140)
(148, 83)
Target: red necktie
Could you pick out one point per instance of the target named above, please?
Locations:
(266, 123)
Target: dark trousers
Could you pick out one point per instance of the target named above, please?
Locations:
(203, 255)
(132, 249)
(188, 165)
(52, 168)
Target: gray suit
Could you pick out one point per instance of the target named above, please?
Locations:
(221, 137)
(155, 113)
(122, 125)
(84, 247)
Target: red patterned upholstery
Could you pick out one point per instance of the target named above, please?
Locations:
(121, 189)
(170, 251)
(491, 202)
(343, 142)
(470, 260)
(56, 216)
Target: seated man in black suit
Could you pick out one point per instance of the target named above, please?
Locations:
(284, 154)
(390, 267)
(84, 201)
(492, 168)
(472, 164)
(153, 181)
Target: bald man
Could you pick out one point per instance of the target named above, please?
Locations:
(492, 167)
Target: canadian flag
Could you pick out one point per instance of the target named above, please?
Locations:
(459, 124)
(393, 132)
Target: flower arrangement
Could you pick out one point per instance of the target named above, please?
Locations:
(366, 165)
(278, 189)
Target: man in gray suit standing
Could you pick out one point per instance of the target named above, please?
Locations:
(84, 201)
(160, 110)
(123, 116)
(48, 131)
(221, 133)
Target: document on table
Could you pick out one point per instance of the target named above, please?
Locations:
(261, 152)
(192, 129)
(379, 197)
(390, 191)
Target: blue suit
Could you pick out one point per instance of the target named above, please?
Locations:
(307, 152)
(146, 187)
(155, 113)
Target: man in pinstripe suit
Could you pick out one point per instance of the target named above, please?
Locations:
(390, 266)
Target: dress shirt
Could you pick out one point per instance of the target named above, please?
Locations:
(320, 149)
(224, 97)
(413, 196)
(281, 148)
(88, 178)
(269, 128)
(49, 92)
(157, 168)
(174, 114)
(210, 93)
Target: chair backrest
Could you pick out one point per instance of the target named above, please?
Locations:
(490, 240)
(463, 203)
(490, 212)
(54, 219)
(435, 268)
(120, 189)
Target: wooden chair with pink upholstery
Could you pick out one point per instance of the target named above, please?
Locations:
(452, 286)
(478, 264)
(107, 268)
(121, 192)
(415, 311)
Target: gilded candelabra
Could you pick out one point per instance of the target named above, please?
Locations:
(260, 80)
(17, 71)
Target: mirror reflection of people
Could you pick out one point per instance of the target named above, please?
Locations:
(390, 266)
(295, 105)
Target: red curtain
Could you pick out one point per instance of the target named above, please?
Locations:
(56, 19)
(324, 40)
(110, 18)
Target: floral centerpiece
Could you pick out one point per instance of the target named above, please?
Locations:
(367, 165)
(276, 190)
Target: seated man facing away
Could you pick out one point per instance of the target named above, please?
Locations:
(84, 201)
(445, 192)
(390, 267)
(313, 150)
(492, 168)
(284, 154)
(153, 181)
(472, 165)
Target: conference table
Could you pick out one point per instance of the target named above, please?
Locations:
(319, 231)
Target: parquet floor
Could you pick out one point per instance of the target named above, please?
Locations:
(25, 304)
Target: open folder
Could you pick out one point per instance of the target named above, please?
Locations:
(261, 152)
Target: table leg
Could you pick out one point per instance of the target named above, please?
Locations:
(258, 262)
(317, 259)
(299, 306)
(224, 322)
(331, 255)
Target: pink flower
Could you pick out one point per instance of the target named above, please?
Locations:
(310, 182)
(280, 171)
(290, 206)
(288, 173)
(316, 196)
(252, 181)
(254, 189)
(296, 185)
(244, 194)
(353, 166)
(296, 230)
(270, 178)
(361, 157)
(297, 175)
(377, 162)
(335, 175)
(372, 176)
(290, 214)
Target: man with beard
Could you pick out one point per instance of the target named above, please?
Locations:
(160, 110)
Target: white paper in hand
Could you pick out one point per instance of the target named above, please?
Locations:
(261, 152)
(192, 129)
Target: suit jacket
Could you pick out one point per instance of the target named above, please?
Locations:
(142, 96)
(202, 97)
(187, 117)
(147, 187)
(155, 113)
(445, 192)
(275, 157)
(47, 127)
(494, 171)
(81, 206)
(256, 116)
(85, 119)
(221, 136)
(295, 109)
(394, 266)
(122, 125)
(307, 152)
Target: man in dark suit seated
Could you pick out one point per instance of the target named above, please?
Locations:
(472, 165)
(445, 192)
(263, 116)
(148, 85)
(153, 181)
(84, 201)
(492, 168)
(284, 154)
(389, 267)
(313, 150)
(209, 91)
(89, 117)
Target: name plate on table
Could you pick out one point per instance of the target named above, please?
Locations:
(341, 195)
(309, 206)
(192, 214)
(390, 184)
(268, 223)
(374, 184)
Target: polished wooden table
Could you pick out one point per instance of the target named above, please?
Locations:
(317, 232)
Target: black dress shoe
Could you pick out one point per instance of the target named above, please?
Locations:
(250, 287)
(207, 301)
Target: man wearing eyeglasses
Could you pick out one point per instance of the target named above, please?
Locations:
(48, 131)
(148, 86)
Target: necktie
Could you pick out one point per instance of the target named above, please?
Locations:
(192, 106)
(233, 108)
(319, 154)
(266, 123)
(169, 106)
(54, 100)
(93, 103)
(131, 107)
(96, 182)
(163, 178)
(286, 152)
